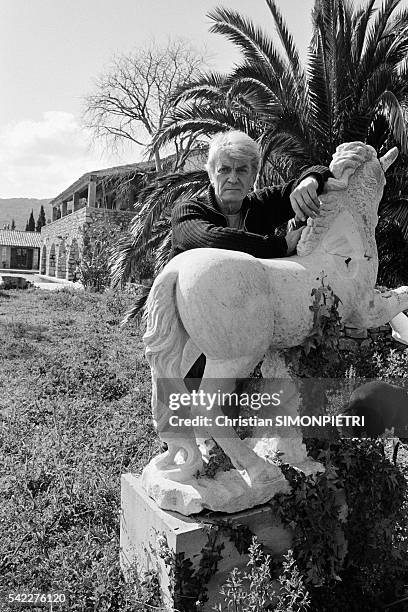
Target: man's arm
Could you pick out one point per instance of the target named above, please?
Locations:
(321, 173)
(309, 185)
(193, 229)
(297, 197)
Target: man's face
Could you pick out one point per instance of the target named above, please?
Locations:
(231, 179)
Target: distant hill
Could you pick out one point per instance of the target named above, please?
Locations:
(19, 209)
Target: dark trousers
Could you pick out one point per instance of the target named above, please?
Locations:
(192, 382)
(195, 374)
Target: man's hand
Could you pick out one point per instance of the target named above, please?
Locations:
(304, 200)
(292, 238)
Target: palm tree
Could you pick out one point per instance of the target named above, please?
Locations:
(392, 229)
(354, 87)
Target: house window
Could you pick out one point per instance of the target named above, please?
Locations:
(20, 258)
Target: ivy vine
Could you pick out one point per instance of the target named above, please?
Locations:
(188, 584)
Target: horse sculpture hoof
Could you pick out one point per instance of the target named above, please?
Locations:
(165, 467)
(263, 471)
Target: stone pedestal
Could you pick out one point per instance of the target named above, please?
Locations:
(144, 528)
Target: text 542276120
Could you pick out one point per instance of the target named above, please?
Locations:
(51, 600)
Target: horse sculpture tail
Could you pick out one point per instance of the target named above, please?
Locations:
(165, 337)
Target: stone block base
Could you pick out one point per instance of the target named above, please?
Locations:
(144, 528)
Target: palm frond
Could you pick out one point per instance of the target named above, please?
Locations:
(266, 92)
(281, 144)
(379, 81)
(397, 211)
(389, 105)
(262, 73)
(324, 25)
(125, 257)
(162, 248)
(344, 68)
(162, 194)
(320, 100)
(397, 50)
(401, 69)
(378, 136)
(392, 252)
(288, 44)
(374, 36)
(360, 20)
(258, 85)
(163, 254)
(256, 96)
(205, 87)
(204, 121)
(251, 40)
(322, 64)
(136, 311)
(157, 197)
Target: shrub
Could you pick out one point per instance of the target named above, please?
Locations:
(99, 239)
(256, 591)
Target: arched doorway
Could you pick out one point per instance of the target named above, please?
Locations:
(73, 259)
(62, 260)
(51, 266)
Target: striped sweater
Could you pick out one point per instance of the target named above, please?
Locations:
(199, 222)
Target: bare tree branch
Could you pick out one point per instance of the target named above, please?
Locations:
(132, 99)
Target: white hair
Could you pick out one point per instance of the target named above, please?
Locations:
(237, 145)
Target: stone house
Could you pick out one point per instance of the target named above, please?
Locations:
(104, 194)
(19, 250)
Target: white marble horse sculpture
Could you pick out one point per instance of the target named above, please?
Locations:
(233, 307)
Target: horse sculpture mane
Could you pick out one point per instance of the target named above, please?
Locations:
(233, 308)
(347, 159)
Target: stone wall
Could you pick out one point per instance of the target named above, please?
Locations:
(61, 240)
(352, 339)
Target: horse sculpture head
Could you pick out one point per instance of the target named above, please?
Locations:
(357, 187)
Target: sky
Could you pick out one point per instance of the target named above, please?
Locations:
(52, 50)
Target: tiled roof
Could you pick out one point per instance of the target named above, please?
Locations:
(105, 172)
(17, 238)
(142, 167)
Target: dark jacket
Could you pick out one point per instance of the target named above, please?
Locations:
(200, 223)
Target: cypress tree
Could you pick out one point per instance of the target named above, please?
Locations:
(41, 220)
(30, 227)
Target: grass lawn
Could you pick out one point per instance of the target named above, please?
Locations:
(74, 415)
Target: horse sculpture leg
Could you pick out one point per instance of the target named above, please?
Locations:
(165, 341)
(220, 377)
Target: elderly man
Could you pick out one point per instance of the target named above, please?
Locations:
(234, 217)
